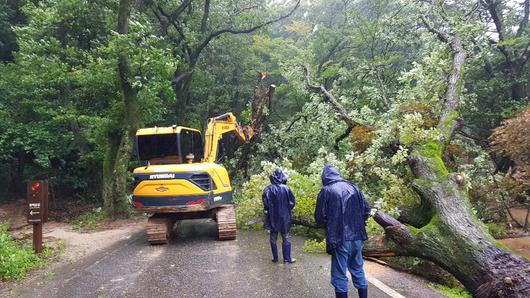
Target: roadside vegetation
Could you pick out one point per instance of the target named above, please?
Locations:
(458, 292)
(88, 221)
(15, 259)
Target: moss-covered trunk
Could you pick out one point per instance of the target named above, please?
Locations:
(455, 239)
(119, 143)
(115, 168)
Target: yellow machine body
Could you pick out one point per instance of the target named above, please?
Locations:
(174, 178)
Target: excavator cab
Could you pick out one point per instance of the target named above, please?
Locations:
(169, 146)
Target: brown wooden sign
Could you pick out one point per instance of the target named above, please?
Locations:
(37, 210)
(37, 201)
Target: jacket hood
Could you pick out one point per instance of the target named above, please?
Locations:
(330, 175)
(278, 177)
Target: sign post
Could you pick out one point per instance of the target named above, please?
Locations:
(38, 210)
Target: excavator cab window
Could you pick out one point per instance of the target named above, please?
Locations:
(191, 143)
(159, 147)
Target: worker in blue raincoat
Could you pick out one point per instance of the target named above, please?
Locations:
(278, 203)
(343, 211)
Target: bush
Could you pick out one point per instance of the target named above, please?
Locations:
(249, 201)
(496, 230)
(14, 260)
(88, 221)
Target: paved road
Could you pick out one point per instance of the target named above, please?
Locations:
(194, 264)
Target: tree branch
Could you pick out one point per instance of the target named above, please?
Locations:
(342, 137)
(163, 24)
(524, 21)
(339, 109)
(294, 121)
(491, 6)
(181, 77)
(448, 120)
(442, 36)
(377, 247)
(173, 20)
(396, 231)
(175, 15)
(330, 53)
(215, 34)
(205, 15)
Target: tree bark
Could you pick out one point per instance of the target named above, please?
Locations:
(119, 146)
(262, 99)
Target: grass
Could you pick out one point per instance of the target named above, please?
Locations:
(496, 230)
(451, 292)
(15, 260)
(88, 221)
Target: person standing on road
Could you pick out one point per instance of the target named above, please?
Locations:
(278, 203)
(343, 211)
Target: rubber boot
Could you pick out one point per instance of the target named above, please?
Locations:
(286, 251)
(363, 292)
(274, 249)
(341, 294)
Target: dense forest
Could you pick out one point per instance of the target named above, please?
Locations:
(423, 104)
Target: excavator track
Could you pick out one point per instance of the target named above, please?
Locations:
(158, 229)
(226, 222)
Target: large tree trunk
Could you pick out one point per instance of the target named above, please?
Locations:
(181, 86)
(115, 168)
(119, 148)
(454, 238)
(518, 89)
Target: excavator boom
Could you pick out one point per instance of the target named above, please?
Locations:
(216, 128)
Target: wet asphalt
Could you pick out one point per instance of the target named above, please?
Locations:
(193, 264)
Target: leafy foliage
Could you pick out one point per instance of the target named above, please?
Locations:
(458, 292)
(511, 139)
(315, 246)
(15, 261)
(89, 220)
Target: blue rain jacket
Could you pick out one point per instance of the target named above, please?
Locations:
(278, 202)
(341, 209)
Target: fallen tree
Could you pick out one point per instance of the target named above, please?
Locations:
(452, 237)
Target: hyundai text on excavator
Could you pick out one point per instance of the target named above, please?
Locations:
(181, 179)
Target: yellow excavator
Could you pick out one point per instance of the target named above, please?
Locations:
(181, 178)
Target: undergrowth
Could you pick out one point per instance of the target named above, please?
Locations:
(90, 220)
(15, 260)
(458, 292)
(315, 246)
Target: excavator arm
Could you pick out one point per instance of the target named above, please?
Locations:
(217, 127)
